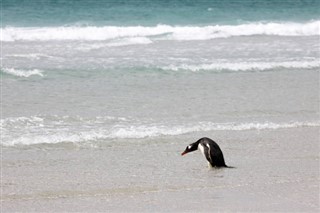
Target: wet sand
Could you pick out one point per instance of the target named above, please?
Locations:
(276, 171)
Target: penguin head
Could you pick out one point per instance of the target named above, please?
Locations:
(190, 148)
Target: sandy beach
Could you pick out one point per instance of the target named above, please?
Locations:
(276, 171)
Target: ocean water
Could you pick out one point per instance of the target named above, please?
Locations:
(94, 73)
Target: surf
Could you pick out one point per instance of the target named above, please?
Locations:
(61, 129)
(244, 66)
(158, 32)
(23, 72)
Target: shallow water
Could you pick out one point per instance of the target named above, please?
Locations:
(275, 170)
(130, 107)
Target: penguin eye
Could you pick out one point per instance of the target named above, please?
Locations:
(189, 147)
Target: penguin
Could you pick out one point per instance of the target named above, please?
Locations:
(210, 150)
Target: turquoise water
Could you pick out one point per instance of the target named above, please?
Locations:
(153, 12)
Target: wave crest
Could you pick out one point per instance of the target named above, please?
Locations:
(245, 66)
(159, 32)
(22, 73)
(39, 130)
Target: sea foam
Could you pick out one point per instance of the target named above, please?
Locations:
(53, 130)
(22, 72)
(159, 32)
(245, 66)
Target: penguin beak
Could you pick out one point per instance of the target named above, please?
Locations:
(185, 152)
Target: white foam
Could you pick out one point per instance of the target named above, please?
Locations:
(130, 41)
(38, 130)
(79, 33)
(22, 73)
(114, 43)
(259, 126)
(166, 32)
(245, 66)
(32, 56)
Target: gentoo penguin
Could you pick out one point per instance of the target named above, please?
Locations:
(210, 150)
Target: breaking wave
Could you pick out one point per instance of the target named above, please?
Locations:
(159, 32)
(245, 66)
(53, 130)
(22, 72)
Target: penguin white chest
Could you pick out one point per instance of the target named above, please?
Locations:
(201, 148)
